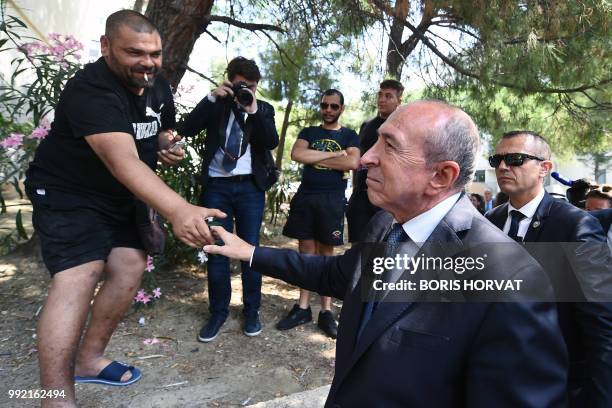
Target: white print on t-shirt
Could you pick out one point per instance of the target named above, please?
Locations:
(144, 130)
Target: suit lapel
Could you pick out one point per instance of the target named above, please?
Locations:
(499, 215)
(539, 219)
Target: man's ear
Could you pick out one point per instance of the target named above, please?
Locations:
(104, 46)
(445, 175)
(545, 168)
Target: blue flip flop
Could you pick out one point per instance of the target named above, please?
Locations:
(111, 375)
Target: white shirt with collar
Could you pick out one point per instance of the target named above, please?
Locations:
(243, 165)
(528, 210)
(421, 227)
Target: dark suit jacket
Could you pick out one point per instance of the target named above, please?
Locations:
(604, 217)
(432, 354)
(586, 326)
(213, 117)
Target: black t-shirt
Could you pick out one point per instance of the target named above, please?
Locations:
(317, 179)
(95, 101)
(367, 137)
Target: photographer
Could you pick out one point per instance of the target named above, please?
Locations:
(237, 169)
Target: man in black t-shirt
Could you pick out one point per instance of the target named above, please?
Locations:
(316, 217)
(360, 210)
(111, 121)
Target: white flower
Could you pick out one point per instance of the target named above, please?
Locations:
(202, 257)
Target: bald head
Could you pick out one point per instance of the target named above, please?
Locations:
(128, 18)
(447, 134)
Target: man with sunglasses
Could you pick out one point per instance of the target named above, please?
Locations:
(360, 210)
(316, 217)
(240, 132)
(521, 162)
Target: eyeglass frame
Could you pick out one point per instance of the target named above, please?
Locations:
(334, 106)
(504, 157)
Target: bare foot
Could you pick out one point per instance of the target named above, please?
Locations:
(92, 368)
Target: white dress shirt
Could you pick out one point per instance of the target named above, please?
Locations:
(243, 165)
(420, 227)
(528, 210)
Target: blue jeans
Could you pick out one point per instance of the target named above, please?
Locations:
(244, 202)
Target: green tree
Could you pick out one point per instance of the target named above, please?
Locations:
(552, 54)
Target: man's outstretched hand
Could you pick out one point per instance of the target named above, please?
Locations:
(189, 225)
(233, 247)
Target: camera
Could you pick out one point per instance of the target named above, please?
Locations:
(242, 93)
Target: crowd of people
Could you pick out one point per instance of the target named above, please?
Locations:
(93, 181)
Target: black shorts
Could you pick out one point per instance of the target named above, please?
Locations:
(76, 228)
(318, 216)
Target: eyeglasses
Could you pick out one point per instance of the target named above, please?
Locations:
(334, 106)
(511, 159)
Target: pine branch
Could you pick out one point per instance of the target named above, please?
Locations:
(389, 11)
(241, 24)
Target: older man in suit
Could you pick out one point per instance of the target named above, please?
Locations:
(564, 235)
(420, 351)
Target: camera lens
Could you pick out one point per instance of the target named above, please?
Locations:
(244, 97)
(242, 94)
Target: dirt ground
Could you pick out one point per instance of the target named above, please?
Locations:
(232, 371)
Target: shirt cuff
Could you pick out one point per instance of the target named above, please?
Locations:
(251, 260)
(211, 97)
(255, 111)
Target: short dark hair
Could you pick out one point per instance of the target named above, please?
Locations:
(332, 92)
(244, 67)
(130, 18)
(541, 142)
(392, 84)
(603, 192)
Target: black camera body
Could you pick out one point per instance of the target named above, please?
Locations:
(243, 93)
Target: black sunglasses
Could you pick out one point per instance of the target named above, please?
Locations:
(334, 106)
(511, 159)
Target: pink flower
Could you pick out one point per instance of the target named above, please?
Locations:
(13, 140)
(157, 293)
(146, 299)
(140, 296)
(42, 130)
(149, 342)
(150, 265)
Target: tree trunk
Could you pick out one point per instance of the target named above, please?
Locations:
(138, 5)
(281, 142)
(395, 59)
(180, 23)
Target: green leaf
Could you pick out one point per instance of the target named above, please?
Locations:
(21, 232)
(18, 21)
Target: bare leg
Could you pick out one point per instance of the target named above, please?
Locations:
(60, 327)
(124, 270)
(325, 250)
(306, 246)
